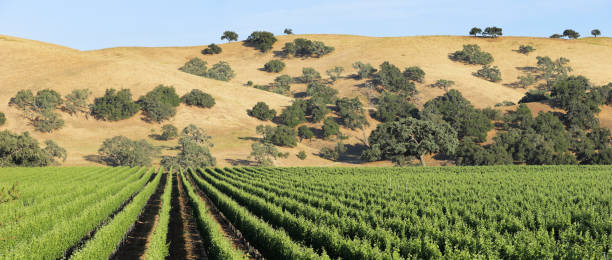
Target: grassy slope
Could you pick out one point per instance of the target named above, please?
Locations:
(34, 65)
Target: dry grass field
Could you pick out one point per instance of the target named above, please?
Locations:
(28, 64)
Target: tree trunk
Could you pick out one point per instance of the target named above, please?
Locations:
(422, 161)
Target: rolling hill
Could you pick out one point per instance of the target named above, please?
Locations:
(36, 65)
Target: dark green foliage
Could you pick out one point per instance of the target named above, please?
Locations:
(493, 114)
(304, 132)
(571, 95)
(293, 115)
(221, 71)
(489, 73)
(47, 100)
(159, 104)
(212, 49)
(274, 66)
(534, 96)
(306, 48)
(194, 150)
(392, 79)
(472, 54)
(475, 31)
(121, 151)
(76, 102)
(288, 31)
(521, 118)
(556, 36)
(414, 73)
(460, 114)
(229, 36)
(283, 82)
(261, 40)
(114, 106)
(47, 122)
(24, 99)
(351, 113)
(24, 151)
(195, 66)
(410, 137)
(249, 83)
(333, 154)
(317, 109)
(604, 93)
(364, 70)
(55, 151)
(492, 32)
(321, 92)
(571, 34)
(281, 135)
(443, 84)
(526, 49)
(595, 32)
(309, 75)
(330, 127)
(169, 132)
(335, 72)
(526, 81)
(261, 111)
(198, 98)
(552, 70)
(2, 119)
(264, 154)
(301, 155)
(391, 106)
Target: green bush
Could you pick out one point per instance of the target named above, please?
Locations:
(121, 151)
(220, 71)
(114, 106)
(526, 49)
(288, 31)
(293, 115)
(198, 98)
(351, 113)
(281, 135)
(414, 73)
(364, 70)
(534, 96)
(321, 92)
(47, 122)
(333, 154)
(23, 100)
(330, 127)
(212, 49)
(335, 72)
(24, 151)
(391, 106)
(304, 132)
(76, 102)
(306, 48)
(274, 66)
(556, 36)
(229, 36)
(261, 40)
(261, 111)
(169, 132)
(159, 104)
(47, 100)
(301, 155)
(195, 66)
(472, 54)
(2, 119)
(392, 79)
(489, 73)
(55, 151)
(39, 109)
(443, 84)
(309, 75)
(571, 34)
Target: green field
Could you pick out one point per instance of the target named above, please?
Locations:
(508, 212)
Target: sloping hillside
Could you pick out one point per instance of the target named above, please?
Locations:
(35, 65)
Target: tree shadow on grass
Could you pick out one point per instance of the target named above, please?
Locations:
(239, 162)
(94, 158)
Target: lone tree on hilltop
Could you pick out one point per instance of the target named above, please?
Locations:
(595, 33)
(475, 31)
(571, 34)
(288, 31)
(229, 36)
(492, 32)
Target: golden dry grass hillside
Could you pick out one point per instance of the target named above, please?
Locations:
(35, 65)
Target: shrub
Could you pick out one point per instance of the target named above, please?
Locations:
(526, 81)
(309, 75)
(249, 83)
(261, 111)
(415, 74)
(281, 135)
(351, 113)
(304, 132)
(264, 154)
(212, 49)
(556, 36)
(221, 71)
(333, 154)
(229, 36)
(443, 84)
(23, 100)
(23, 150)
(55, 151)
(493, 114)
(392, 106)
(159, 104)
(392, 79)
(2, 119)
(489, 73)
(526, 49)
(114, 106)
(330, 127)
(76, 102)
(321, 92)
(261, 40)
(169, 132)
(334, 73)
(293, 115)
(198, 98)
(195, 66)
(306, 48)
(47, 122)
(301, 155)
(364, 70)
(47, 100)
(121, 151)
(274, 66)
(472, 54)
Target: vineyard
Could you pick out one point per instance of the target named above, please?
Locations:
(507, 212)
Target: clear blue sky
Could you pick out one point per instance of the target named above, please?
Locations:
(86, 25)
